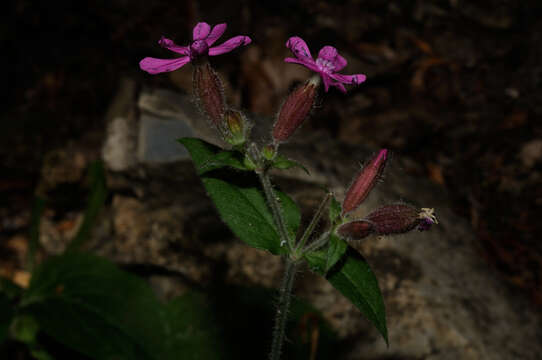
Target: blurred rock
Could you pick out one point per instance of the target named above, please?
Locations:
(531, 153)
(150, 137)
(118, 151)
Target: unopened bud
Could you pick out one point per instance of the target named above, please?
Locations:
(209, 93)
(237, 126)
(269, 152)
(364, 182)
(294, 111)
(401, 218)
(355, 230)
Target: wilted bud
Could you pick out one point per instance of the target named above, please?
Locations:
(355, 230)
(237, 127)
(401, 218)
(209, 93)
(364, 182)
(294, 111)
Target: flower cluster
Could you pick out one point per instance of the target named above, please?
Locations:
(234, 126)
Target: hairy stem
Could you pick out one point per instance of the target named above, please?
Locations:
(281, 317)
(275, 209)
(314, 221)
(321, 241)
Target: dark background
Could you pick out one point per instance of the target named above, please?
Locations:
(452, 85)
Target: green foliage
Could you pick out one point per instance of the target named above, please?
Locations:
(241, 203)
(353, 277)
(25, 329)
(208, 157)
(281, 162)
(9, 293)
(97, 197)
(88, 304)
(334, 210)
(6, 314)
(335, 251)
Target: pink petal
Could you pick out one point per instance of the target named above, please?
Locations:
(308, 63)
(217, 32)
(339, 63)
(229, 45)
(201, 30)
(349, 79)
(340, 87)
(326, 80)
(298, 47)
(170, 45)
(156, 66)
(328, 53)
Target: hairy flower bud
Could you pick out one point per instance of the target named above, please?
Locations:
(364, 182)
(401, 218)
(237, 126)
(209, 93)
(294, 111)
(355, 230)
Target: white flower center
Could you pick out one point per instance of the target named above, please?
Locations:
(325, 65)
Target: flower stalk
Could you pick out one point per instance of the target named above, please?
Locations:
(314, 221)
(285, 295)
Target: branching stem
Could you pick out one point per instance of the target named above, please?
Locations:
(315, 219)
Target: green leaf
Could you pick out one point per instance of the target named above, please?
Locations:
(335, 251)
(96, 201)
(39, 354)
(89, 305)
(7, 312)
(245, 211)
(9, 293)
(224, 158)
(192, 329)
(208, 157)
(353, 277)
(241, 203)
(25, 329)
(334, 209)
(9, 289)
(281, 162)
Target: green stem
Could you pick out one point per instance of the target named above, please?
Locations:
(33, 244)
(275, 209)
(321, 241)
(314, 221)
(282, 309)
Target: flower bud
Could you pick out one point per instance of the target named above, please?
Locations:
(237, 127)
(294, 111)
(269, 152)
(401, 218)
(355, 230)
(364, 182)
(209, 93)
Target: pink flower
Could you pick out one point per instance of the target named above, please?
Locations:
(203, 37)
(328, 63)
